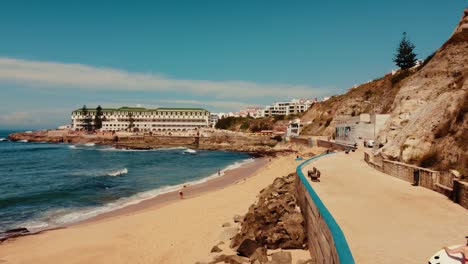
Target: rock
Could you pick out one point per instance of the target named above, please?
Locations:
(238, 219)
(247, 248)
(260, 255)
(215, 249)
(226, 224)
(274, 220)
(231, 259)
(281, 257)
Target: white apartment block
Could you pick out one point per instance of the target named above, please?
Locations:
(143, 119)
(292, 107)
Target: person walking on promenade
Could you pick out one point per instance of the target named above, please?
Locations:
(462, 249)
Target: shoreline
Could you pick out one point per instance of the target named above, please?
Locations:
(162, 230)
(229, 177)
(190, 190)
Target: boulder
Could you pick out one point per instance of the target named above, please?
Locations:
(259, 256)
(215, 249)
(274, 220)
(247, 248)
(237, 218)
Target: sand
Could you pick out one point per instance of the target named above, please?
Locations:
(386, 220)
(164, 230)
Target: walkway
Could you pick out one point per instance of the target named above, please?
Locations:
(384, 219)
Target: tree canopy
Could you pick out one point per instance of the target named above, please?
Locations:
(405, 58)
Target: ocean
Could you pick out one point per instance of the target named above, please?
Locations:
(46, 185)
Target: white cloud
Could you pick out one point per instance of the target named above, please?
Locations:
(34, 118)
(61, 75)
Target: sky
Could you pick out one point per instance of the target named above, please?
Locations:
(56, 56)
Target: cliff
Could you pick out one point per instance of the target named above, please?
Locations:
(428, 123)
(427, 107)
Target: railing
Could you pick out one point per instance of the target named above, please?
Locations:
(339, 240)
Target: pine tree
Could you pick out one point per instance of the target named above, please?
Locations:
(87, 119)
(98, 118)
(405, 57)
(130, 121)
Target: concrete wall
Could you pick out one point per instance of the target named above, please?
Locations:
(333, 145)
(443, 182)
(326, 241)
(319, 238)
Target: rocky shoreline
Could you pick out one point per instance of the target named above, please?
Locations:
(255, 145)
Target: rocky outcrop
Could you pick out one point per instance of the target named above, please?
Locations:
(212, 140)
(274, 221)
(429, 113)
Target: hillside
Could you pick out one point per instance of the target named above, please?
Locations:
(428, 122)
(373, 97)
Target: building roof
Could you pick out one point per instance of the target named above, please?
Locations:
(142, 109)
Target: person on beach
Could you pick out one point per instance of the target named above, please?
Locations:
(462, 249)
(219, 172)
(181, 195)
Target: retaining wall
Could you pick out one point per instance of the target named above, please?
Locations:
(440, 181)
(333, 145)
(326, 241)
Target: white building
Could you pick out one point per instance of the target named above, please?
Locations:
(294, 128)
(355, 129)
(292, 107)
(214, 118)
(143, 119)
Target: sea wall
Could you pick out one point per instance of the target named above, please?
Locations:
(444, 182)
(333, 145)
(326, 241)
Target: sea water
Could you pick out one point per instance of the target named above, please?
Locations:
(45, 185)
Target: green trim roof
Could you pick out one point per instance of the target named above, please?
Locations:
(142, 109)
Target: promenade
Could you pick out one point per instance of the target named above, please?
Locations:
(384, 219)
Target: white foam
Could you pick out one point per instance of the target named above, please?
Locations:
(89, 144)
(190, 151)
(59, 217)
(3, 139)
(72, 146)
(23, 140)
(118, 172)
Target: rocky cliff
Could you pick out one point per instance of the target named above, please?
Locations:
(428, 108)
(428, 123)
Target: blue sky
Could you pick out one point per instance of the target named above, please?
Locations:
(56, 56)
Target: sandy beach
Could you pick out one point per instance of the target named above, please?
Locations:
(161, 230)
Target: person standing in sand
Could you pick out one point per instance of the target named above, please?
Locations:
(181, 194)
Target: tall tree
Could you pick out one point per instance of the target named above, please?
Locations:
(86, 119)
(130, 120)
(98, 118)
(405, 58)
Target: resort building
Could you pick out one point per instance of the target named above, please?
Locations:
(292, 107)
(142, 119)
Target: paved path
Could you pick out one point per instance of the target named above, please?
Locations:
(384, 219)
